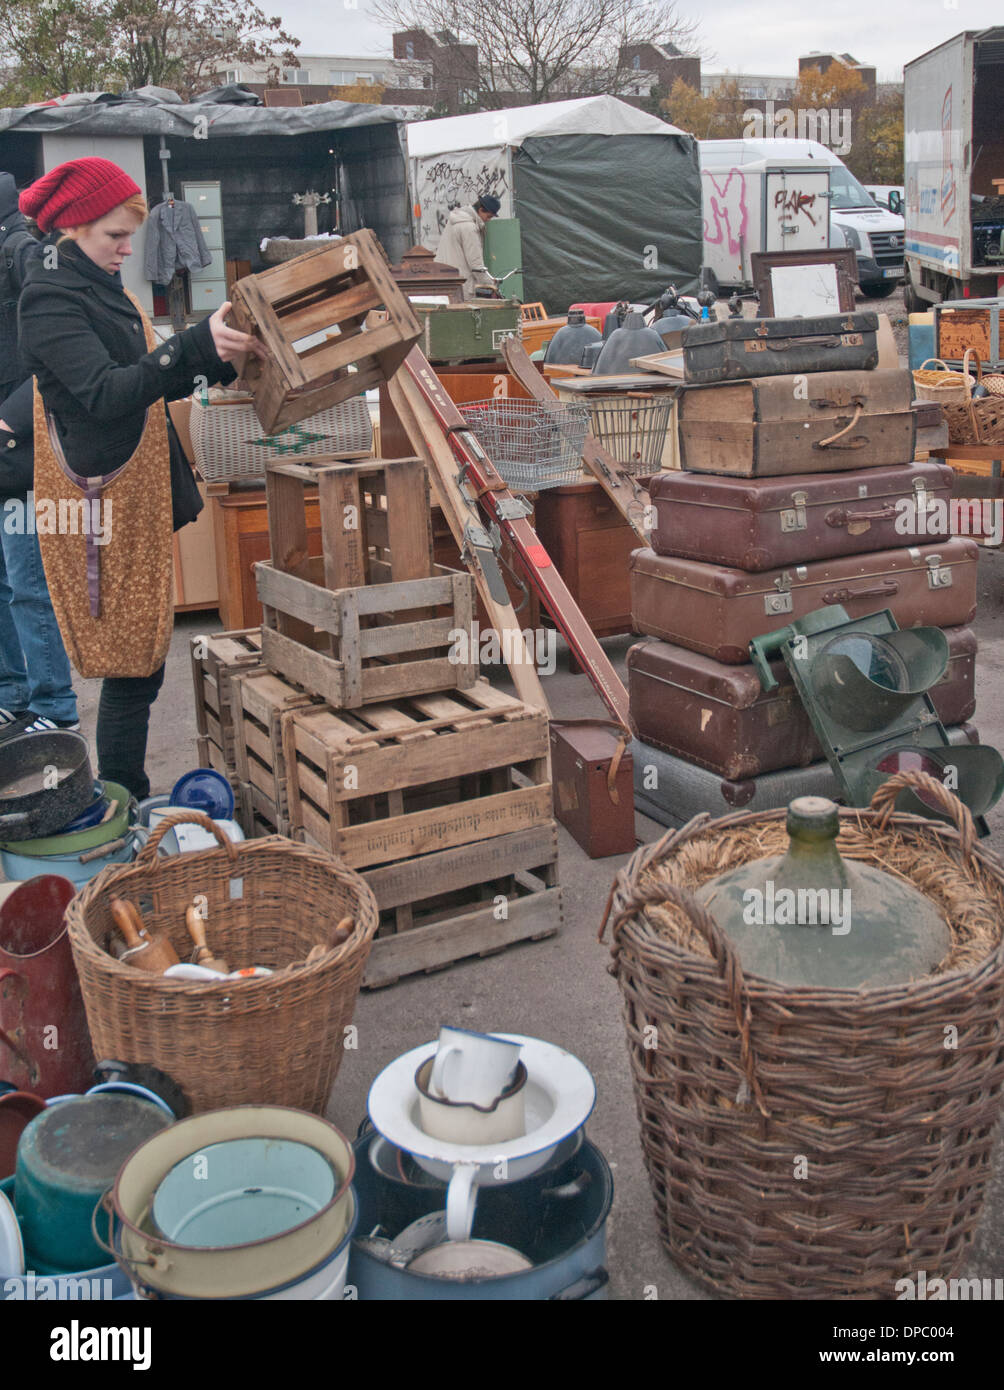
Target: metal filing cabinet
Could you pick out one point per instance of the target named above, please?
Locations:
(208, 287)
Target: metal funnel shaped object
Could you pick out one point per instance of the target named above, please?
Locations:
(864, 680)
(810, 917)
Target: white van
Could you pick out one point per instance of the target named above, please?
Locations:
(745, 183)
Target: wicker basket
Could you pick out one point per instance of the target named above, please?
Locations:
(277, 250)
(801, 1142)
(979, 421)
(229, 442)
(272, 1040)
(941, 386)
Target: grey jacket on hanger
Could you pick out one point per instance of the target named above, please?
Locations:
(174, 241)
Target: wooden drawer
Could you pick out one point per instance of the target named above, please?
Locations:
(590, 544)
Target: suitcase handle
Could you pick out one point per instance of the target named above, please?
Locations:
(857, 443)
(884, 590)
(841, 400)
(823, 340)
(843, 516)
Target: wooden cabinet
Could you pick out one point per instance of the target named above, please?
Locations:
(590, 544)
(240, 529)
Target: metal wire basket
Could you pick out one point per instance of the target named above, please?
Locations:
(632, 428)
(533, 445)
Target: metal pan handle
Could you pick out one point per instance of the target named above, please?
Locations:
(583, 1287)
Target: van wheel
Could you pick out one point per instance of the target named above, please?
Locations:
(878, 290)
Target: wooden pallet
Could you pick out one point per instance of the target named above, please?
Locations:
(388, 782)
(329, 291)
(261, 700)
(216, 659)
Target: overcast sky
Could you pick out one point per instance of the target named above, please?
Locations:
(744, 35)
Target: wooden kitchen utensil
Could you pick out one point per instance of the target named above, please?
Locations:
(202, 955)
(146, 952)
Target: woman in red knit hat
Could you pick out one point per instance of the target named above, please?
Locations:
(103, 440)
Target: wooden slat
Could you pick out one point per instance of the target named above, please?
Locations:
(411, 879)
(346, 349)
(279, 282)
(406, 637)
(441, 828)
(473, 933)
(287, 593)
(343, 538)
(328, 311)
(407, 678)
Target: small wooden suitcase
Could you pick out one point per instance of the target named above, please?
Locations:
(824, 423)
(718, 611)
(762, 523)
(736, 349)
(593, 784)
(719, 717)
(672, 791)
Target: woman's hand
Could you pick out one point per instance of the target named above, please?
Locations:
(229, 344)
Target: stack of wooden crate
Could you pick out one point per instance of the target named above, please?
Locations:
(216, 660)
(366, 728)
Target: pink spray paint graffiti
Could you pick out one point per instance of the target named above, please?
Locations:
(725, 206)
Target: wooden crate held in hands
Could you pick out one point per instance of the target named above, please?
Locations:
(391, 781)
(329, 292)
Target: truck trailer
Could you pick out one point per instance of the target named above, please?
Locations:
(954, 157)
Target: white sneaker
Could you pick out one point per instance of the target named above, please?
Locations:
(42, 724)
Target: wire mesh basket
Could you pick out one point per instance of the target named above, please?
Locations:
(533, 445)
(632, 428)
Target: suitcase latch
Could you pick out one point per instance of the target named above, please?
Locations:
(923, 501)
(793, 518)
(938, 576)
(781, 602)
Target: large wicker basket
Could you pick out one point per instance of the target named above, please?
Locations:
(974, 420)
(801, 1142)
(271, 1040)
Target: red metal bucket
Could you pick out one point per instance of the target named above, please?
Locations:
(45, 1046)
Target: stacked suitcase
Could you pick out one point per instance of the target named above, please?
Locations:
(796, 492)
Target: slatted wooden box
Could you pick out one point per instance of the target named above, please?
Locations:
(261, 699)
(330, 291)
(370, 644)
(216, 659)
(387, 782)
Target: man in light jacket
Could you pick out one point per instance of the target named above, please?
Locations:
(462, 242)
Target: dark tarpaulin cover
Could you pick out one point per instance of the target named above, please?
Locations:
(591, 207)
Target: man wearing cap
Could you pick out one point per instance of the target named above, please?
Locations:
(462, 242)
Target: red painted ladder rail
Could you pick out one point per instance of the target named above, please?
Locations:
(479, 478)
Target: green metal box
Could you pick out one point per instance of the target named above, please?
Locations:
(467, 332)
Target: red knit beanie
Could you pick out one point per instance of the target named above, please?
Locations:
(77, 192)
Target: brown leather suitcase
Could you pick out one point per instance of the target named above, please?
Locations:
(734, 349)
(821, 423)
(761, 523)
(718, 611)
(593, 787)
(720, 718)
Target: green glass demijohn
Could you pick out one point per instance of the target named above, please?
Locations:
(811, 917)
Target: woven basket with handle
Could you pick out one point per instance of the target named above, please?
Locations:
(802, 1142)
(974, 420)
(270, 1040)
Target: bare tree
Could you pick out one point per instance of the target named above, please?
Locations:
(545, 50)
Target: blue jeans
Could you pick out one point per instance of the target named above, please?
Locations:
(34, 670)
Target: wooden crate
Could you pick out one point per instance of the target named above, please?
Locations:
(388, 782)
(258, 814)
(473, 900)
(216, 658)
(329, 291)
(261, 699)
(363, 646)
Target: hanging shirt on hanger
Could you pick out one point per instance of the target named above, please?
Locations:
(174, 241)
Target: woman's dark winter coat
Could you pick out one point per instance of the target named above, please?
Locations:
(83, 341)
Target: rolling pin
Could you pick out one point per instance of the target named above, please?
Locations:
(146, 952)
(197, 931)
(341, 933)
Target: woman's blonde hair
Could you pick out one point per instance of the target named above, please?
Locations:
(136, 204)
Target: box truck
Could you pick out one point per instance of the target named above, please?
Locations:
(954, 156)
(792, 195)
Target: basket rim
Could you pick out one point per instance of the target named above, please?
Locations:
(763, 988)
(81, 939)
